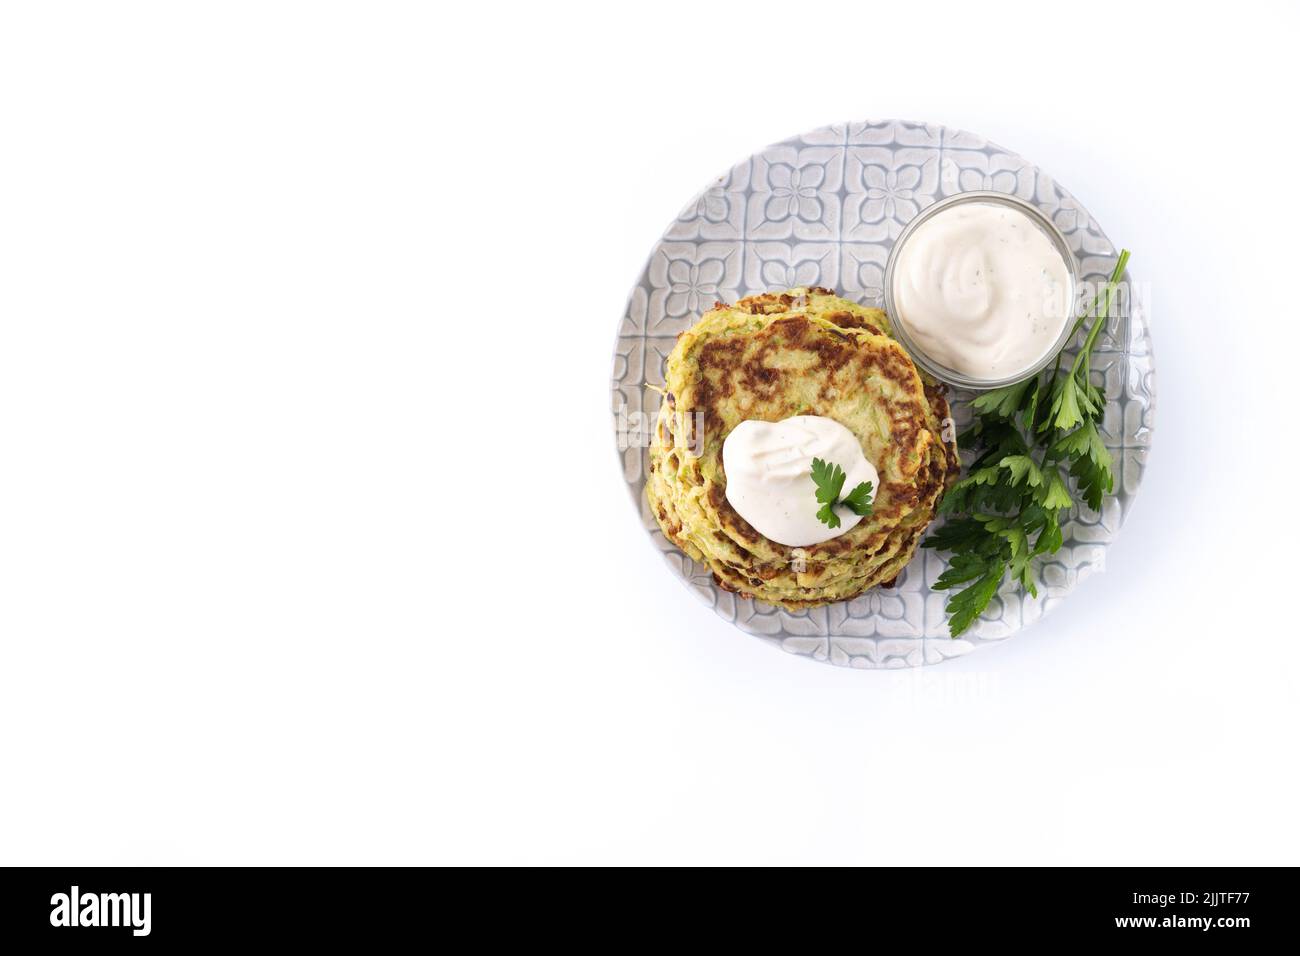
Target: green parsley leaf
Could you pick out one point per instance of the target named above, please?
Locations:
(958, 535)
(1002, 402)
(1055, 495)
(1082, 442)
(1022, 570)
(1090, 462)
(1049, 538)
(859, 499)
(968, 604)
(962, 568)
(1095, 479)
(1069, 406)
(1023, 469)
(1015, 536)
(829, 479)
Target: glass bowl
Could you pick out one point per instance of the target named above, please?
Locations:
(941, 371)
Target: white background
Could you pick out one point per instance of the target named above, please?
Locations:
(313, 543)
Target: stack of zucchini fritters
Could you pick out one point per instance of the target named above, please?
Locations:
(768, 357)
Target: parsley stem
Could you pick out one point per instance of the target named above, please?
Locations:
(1102, 313)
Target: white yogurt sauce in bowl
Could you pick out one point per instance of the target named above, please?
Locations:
(982, 290)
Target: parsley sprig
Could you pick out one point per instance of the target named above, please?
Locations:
(829, 480)
(1007, 510)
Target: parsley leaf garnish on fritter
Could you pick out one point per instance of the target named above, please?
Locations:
(829, 480)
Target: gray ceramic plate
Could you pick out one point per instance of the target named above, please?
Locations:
(824, 209)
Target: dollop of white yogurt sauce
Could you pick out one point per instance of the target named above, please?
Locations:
(982, 289)
(769, 476)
